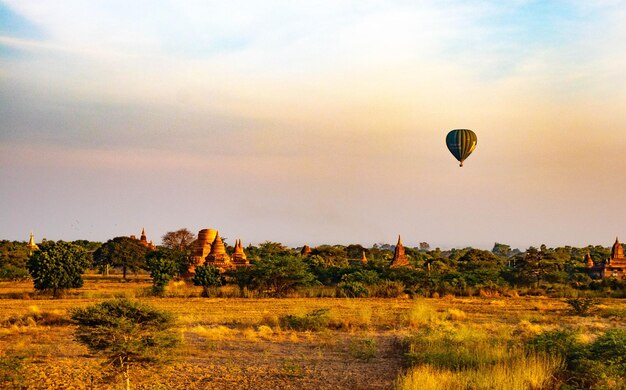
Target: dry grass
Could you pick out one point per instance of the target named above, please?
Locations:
(237, 343)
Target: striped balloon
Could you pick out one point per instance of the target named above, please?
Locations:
(461, 143)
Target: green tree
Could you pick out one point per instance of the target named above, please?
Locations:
(122, 252)
(126, 333)
(57, 266)
(280, 275)
(163, 266)
(208, 277)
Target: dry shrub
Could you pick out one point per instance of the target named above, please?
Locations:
(359, 318)
(250, 335)
(522, 373)
(270, 319)
(434, 295)
(527, 330)
(37, 317)
(488, 293)
(214, 333)
(265, 332)
(448, 297)
(456, 314)
(421, 314)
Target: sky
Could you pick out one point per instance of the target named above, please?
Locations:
(314, 122)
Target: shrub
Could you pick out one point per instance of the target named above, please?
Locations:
(126, 333)
(363, 349)
(610, 349)
(581, 306)
(388, 289)
(208, 277)
(352, 290)
(10, 272)
(315, 320)
(12, 372)
(162, 266)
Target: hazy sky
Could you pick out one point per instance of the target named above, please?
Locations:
(314, 121)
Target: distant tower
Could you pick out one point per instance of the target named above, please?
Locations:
(218, 256)
(31, 245)
(239, 256)
(399, 258)
(201, 249)
(306, 250)
(364, 259)
(143, 238)
(617, 252)
(589, 260)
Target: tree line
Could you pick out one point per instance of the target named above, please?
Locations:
(277, 270)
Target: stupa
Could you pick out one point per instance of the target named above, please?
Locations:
(399, 257)
(218, 256)
(31, 244)
(306, 250)
(239, 257)
(200, 249)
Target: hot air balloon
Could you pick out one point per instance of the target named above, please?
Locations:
(461, 143)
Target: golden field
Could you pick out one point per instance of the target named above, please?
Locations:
(238, 343)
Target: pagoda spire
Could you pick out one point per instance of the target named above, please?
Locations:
(31, 244)
(399, 257)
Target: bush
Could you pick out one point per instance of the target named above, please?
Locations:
(581, 306)
(9, 272)
(388, 289)
(162, 265)
(315, 320)
(610, 349)
(363, 349)
(126, 333)
(352, 290)
(208, 277)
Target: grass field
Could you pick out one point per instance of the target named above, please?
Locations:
(236, 343)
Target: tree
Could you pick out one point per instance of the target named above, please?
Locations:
(208, 277)
(163, 266)
(424, 246)
(122, 252)
(281, 274)
(178, 240)
(126, 333)
(57, 266)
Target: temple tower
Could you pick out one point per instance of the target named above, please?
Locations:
(31, 244)
(617, 252)
(200, 249)
(589, 260)
(399, 258)
(218, 256)
(364, 259)
(239, 256)
(306, 250)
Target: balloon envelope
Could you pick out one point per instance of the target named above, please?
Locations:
(461, 143)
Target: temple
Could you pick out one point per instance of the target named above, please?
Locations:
(306, 250)
(239, 257)
(614, 267)
(201, 248)
(218, 256)
(399, 257)
(144, 241)
(31, 244)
